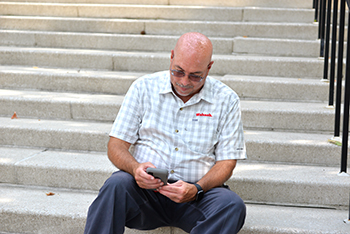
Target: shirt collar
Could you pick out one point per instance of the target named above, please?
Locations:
(166, 84)
(205, 93)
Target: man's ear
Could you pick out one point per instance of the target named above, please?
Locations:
(172, 54)
(210, 64)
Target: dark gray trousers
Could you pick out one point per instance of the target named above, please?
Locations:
(122, 203)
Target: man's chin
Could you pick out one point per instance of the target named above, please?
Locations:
(183, 94)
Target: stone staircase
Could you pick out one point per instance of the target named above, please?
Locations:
(65, 66)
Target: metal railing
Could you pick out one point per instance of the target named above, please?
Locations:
(323, 12)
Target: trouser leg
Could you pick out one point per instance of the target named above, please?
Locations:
(121, 202)
(221, 211)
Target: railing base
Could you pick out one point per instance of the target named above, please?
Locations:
(336, 138)
(343, 174)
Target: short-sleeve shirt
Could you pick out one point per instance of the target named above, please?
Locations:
(184, 138)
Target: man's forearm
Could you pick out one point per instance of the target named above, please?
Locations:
(218, 174)
(119, 155)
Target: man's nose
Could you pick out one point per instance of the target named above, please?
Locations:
(186, 80)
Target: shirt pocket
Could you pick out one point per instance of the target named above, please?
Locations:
(202, 133)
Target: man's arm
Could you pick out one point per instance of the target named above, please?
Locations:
(119, 155)
(218, 174)
(184, 192)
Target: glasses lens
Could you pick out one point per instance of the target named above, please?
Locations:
(195, 78)
(177, 73)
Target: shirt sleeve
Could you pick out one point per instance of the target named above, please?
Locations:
(231, 143)
(127, 123)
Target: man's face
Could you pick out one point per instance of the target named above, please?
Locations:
(194, 69)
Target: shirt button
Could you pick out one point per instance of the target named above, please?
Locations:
(176, 149)
(181, 109)
(176, 131)
(172, 171)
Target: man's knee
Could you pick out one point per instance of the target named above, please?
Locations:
(223, 212)
(236, 203)
(236, 209)
(119, 180)
(239, 207)
(229, 201)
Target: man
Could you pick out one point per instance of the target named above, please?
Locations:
(187, 123)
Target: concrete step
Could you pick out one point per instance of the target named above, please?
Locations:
(280, 47)
(113, 82)
(291, 184)
(66, 80)
(50, 105)
(28, 209)
(104, 41)
(254, 3)
(63, 169)
(278, 88)
(155, 43)
(200, 12)
(150, 62)
(292, 147)
(287, 116)
(226, 3)
(282, 184)
(288, 147)
(161, 27)
(68, 135)
(101, 107)
(277, 47)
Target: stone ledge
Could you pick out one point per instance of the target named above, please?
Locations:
(282, 183)
(30, 210)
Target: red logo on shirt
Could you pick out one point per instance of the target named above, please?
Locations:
(201, 114)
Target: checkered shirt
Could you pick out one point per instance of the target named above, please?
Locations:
(184, 138)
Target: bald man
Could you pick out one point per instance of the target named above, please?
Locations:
(188, 123)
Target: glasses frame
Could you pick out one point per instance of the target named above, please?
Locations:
(183, 74)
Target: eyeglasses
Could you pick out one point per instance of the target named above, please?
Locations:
(192, 77)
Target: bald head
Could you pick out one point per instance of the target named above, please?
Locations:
(194, 45)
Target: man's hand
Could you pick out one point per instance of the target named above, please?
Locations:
(143, 179)
(118, 153)
(179, 191)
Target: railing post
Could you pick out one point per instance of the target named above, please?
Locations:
(340, 69)
(328, 11)
(345, 139)
(322, 26)
(322, 22)
(348, 221)
(333, 53)
(320, 19)
(316, 10)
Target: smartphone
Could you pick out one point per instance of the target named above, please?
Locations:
(161, 174)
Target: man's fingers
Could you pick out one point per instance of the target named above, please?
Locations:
(178, 192)
(148, 182)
